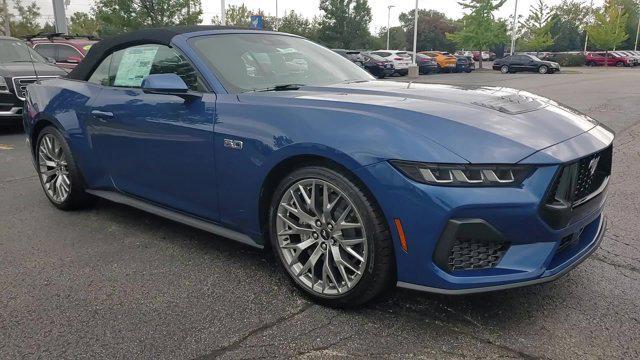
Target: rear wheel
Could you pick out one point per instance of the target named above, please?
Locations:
(330, 238)
(504, 69)
(58, 173)
(619, 64)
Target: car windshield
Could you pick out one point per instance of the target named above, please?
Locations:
(254, 62)
(17, 51)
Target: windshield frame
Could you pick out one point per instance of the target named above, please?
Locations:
(214, 76)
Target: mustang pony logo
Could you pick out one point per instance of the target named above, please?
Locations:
(593, 164)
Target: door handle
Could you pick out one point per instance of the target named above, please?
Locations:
(102, 114)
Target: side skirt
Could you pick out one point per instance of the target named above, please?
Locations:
(175, 216)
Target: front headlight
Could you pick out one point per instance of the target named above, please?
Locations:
(463, 175)
(4, 89)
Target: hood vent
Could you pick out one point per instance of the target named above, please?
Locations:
(513, 104)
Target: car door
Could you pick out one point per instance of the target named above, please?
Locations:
(157, 147)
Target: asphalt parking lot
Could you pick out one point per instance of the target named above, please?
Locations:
(114, 282)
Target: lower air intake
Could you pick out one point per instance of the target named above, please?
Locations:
(469, 244)
(468, 255)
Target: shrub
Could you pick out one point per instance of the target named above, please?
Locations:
(565, 59)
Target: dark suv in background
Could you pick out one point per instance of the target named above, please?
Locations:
(67, 51)
(18, 67)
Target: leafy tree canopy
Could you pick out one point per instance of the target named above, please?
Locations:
(25, 19)
(433, 27)
(345, 23)
(537, 28)
(480, 30)
(608, 28)
(116, 16)
(81, 23)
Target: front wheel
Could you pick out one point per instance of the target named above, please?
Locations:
(330, 237)
(543, 69)
(58, 173)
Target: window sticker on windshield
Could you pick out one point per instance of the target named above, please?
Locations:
(135, 66)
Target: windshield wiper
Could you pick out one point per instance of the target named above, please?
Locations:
(280, 87)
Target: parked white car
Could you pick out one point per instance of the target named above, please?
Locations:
(401, 59)
(633, 55)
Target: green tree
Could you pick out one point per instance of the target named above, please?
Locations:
(433, 27)
(294, 23)
(238, 16)
(608, 28)
(569, 25)
(632, 9)
(345, 23)
(25, 22)
(81, 23)
(480, 30)
(537, 28)
(397, 37)
(116, 16)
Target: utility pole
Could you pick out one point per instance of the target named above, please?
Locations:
(223, 13)
(59, 16)
(618, 23)
(513, 29)
(5, 9)
(586, 39)
(415, 34)
(388, 22)
(276, 9)
(637, 32)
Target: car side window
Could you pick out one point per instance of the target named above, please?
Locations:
(130, 66)
(67, 51)
(100, 75)
(47, 50)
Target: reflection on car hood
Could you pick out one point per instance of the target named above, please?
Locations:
(481, 124)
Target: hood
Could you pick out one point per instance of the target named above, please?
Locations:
(10, 70)
(481, 124)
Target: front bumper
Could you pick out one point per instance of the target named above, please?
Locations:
(10, 107)
(537, 252)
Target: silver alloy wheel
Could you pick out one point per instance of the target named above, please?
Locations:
(504, 69)
(52, 164)
(321, 237)
(543, 69)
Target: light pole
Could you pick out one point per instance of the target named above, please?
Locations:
(7, 29)
(415, 34)
(586, 38)
(389, 22)
(276, 9)
(635, 48)
(513, 29)
(618, 23)
(223, 13)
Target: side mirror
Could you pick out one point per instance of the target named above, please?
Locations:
(168, 84)
(73, 59)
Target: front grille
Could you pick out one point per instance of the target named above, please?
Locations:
(577, 184)
(20, 84)
(471, 254)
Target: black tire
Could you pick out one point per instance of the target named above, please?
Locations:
(379, 273)
(591, 64)
(77, 197)
(619, 64)
(505, 69)
(543, 69)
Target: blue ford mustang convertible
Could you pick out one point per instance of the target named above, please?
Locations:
(357, 185)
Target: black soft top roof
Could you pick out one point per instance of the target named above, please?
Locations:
(161, 36)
